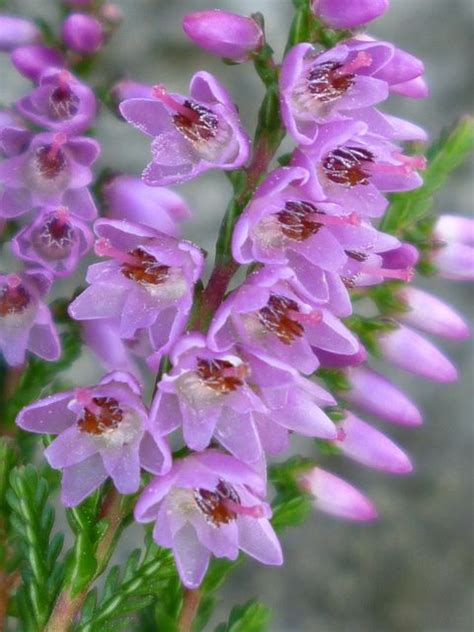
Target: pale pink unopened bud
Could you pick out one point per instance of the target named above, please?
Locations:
(224, 34)
(346, 14)
(15, 31)
(82, 33)
(430, 314)
(411, 352)
(363, 443)
(335, 496)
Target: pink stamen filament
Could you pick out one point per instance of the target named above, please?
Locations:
(332, 220)
(407, 166)
(84, 397)
(405, 274)
(63, 79)
(59, 140)
(341, 434)
(240, 372)
(103, 248)
(13, 281)
(311, 318)
(62, 215)
(160, 93)
(361, 60)
(255, 512)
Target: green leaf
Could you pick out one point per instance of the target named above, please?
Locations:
(251, 617)
(444, 156)
(144, 578)
(32, 520)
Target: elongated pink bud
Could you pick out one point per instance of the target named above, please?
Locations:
(82, 33)
(366, 445)
(413, 353)
(15, 31)
(335, 496)
(32, 60)
(224, 34)
(373, 393)
(430, 314)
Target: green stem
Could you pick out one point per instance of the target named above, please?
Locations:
(68, 604)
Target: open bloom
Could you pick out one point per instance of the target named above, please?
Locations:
(317, 88)
(52, 170)
(247, 402)
(285, 224)
(209, 503)
(102, 431)
(55, 239)
(147, 283)
(191, 135)
(25, 321)
(353, 168)
(347, 14)
(224, 34)
(128, 197)
(267, 313)
(60, 103)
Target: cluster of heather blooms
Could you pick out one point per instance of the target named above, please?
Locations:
(239, 389)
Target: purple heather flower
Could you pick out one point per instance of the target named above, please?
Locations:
(224, 34)
(60, 103)
(82, 33)
(147, 283)
(363, 443)
(33, 60)
(411, 352)
(453, 250)
(53, 170)
(102, 337)
(284, 225)
(25, 321)
(347, 14)
(191, 135)
(14, 137)
(128, 197)
(351, 167)
(247, 402)
(336, 497)
(390, 127)
(268, 314)
(15, 31)
(209, 503)
(374, 394)
(430, 314)
(55, 239)
(103, 431)
(318, 88)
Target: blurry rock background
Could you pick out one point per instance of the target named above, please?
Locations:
(412, 570)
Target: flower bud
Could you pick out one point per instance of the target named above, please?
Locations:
(346, 14)
(451, 228)
(414, 354)
(31, 61)
(428, 313)
(374, 394)
(224, 34)
(364, 444)
(82, 33)
(16, 32)
(336, 497)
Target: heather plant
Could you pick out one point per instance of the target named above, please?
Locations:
(210, 366)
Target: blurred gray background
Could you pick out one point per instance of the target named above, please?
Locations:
(412, 570)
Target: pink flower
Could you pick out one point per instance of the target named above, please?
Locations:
(191, 135)
(209, 504)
